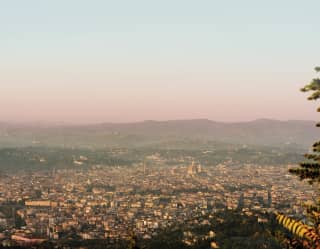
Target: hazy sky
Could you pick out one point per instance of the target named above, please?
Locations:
(101, 61)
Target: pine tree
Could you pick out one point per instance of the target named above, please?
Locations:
(309, 170)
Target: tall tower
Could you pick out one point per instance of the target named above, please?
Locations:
(53, 172)
(241, 202)
(199, 170)
(190, 170)
(13, 210)
(269, 198)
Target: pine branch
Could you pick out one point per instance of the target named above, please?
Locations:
(299, 229)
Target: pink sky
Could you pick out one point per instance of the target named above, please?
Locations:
(90, 97)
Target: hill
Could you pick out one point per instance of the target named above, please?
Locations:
(155, 133)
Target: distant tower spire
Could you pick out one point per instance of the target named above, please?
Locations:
(144, 167)
(269, 198)
(13, 210)
(54, 172)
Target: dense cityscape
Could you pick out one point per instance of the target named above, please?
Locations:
(99, 202)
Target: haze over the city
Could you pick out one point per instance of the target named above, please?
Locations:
(123, 61)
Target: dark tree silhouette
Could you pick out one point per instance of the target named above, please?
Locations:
(309, 170)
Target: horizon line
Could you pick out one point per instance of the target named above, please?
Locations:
(61, 123)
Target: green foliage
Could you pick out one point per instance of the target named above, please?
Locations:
(30, 158)
(237, 230)
(313, 87)
(44, 158)
(308, 170)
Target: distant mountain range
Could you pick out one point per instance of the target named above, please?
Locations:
(258, 132)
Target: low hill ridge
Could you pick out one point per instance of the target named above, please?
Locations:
(260, 132)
